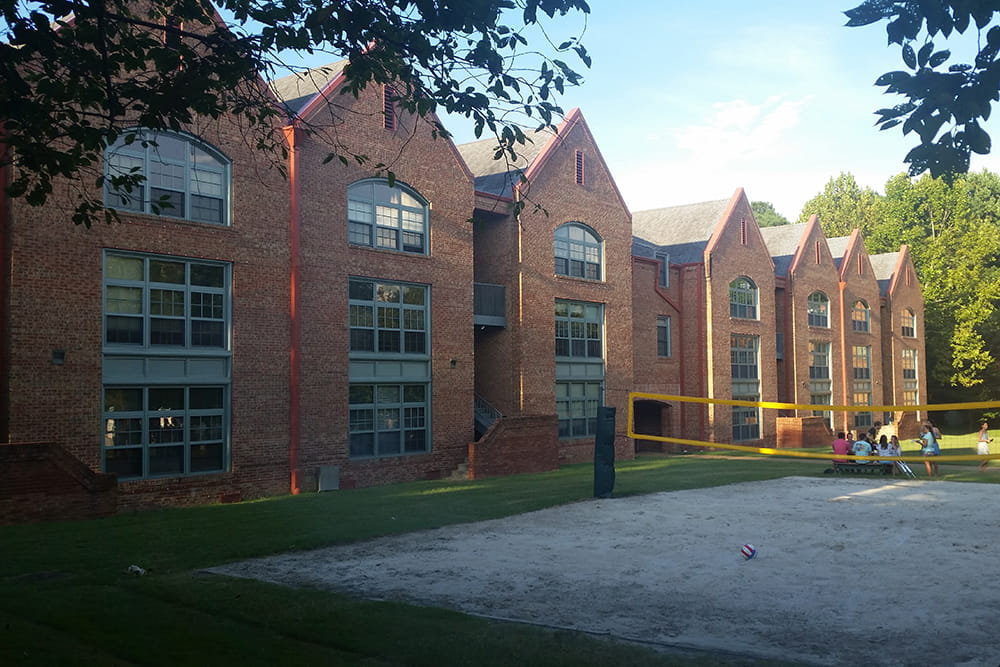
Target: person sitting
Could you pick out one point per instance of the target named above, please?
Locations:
(862, 448)
(841, 447)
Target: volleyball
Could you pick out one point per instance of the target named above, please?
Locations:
(748, 551)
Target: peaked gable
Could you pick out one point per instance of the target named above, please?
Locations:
(739, 222)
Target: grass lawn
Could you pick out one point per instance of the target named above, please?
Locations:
(66, 599)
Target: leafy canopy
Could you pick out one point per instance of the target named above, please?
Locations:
(945, 103)
(77, 74)
(766, 216)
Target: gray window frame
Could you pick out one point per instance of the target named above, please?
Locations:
(745, 373)
(153, 303)
(369, 228)
(863, 324)
(744, 299)
(580, 347)
(581, 258)
(664, 341)
(663, 270)
(909, 324)
(133, 441)
(410, 434)
(819, 310)
(147, 149)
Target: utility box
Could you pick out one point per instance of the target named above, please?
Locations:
(604, 453)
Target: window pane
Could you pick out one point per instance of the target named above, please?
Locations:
(171, 398)
(207, 398)
(388, 394)
(126, 463)
(166, 460)
(361, 393)
(166, 332)
(362, 444)
(207, 275)
(122, 399)
(124, 330)
(123, 299)
(123, 268)
(207, 458)
(361, 290)
(166, 272)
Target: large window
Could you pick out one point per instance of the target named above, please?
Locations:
(861, 356)
(578, 251)
(745, 365)
(184, 178)
(862, 387)
(909, 364)
(387, 317)
(861, 316)
(576, 408)
(743, 298)
(156, 301)
(389, 393)
(389, 218)
(820, 385)
(165, 355)
(388, 419)
(663, 336)
(909, 324)
(168, 431)
(819, 310)
(579, 329)
(910, 385)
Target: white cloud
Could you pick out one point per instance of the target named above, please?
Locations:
(739, 130)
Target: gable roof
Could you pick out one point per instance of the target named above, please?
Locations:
(297, 90)
(683, 231)
(884, 266)
(782, 242)
(838, 247)
(499, 176)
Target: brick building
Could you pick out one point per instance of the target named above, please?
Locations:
(341, 328)
(804, 319)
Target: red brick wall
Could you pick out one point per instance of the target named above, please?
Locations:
(730, 259)
(801, 432)
(859, 285)
(56, 303)
(527, 363)
(430, 167)
(515, 445)
(43, 483)
(806, 276)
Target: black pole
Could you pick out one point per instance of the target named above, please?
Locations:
(604, 453)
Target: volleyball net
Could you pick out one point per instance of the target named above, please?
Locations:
(669, 399)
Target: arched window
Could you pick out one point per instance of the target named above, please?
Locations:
(819, 310)
(390, 218)
(743, 298)
(861, 316)
(578, 251)
(184, 178)
(909, 323)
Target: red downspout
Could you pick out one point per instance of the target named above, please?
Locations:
(294, 351)
(5, 268)
(844, 388)
(680, 346)
(703, 375)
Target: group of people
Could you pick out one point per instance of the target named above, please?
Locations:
(866, 445)
(929, 441)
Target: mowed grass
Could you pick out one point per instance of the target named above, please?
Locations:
(66, 599)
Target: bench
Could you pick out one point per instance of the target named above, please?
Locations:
(859, 468)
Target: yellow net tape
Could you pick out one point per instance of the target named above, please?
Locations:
(633, 395)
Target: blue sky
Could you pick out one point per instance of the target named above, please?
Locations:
(689, 101)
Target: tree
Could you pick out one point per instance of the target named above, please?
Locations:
(842, 206)
(943, 107)
(76, 74)
(765, 214)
